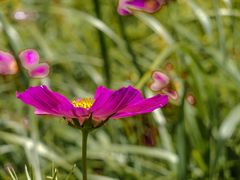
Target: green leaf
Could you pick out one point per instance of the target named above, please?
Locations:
(230, 123)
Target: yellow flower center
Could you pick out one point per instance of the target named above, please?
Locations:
(83, 102)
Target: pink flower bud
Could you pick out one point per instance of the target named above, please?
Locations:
(126, 7)
(29, 58)
(160, 81)
(8, 64)
(39, 71)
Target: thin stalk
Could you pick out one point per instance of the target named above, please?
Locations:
(103, 46)
(220, 28)
(129, 47)
(181, 141)
(14, 46)
(84, 154)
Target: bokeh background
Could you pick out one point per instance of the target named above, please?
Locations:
(88, 44)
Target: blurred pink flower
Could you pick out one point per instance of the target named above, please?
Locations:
(8, 64)
(29, 58)
(39, 71)
(161, 82)
(30, 61)
(126, 7)
(114, 104)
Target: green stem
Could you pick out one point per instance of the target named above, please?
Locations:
(14, 45)
(129, 47)
(181, 141)
(220, 29)
(84, 154)
(103, 46)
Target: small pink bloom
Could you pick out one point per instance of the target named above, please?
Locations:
(30, 61)
(161, 82)
(29, 58)
(8, 64)
(39, 71)
(114, 104)
(126, 7)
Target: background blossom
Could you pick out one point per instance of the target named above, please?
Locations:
(126, 7)
(8, 64)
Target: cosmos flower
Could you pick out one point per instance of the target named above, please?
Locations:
(8, 64)
(126, 7)
(114, 104)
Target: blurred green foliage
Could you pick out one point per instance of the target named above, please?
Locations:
(195, 42)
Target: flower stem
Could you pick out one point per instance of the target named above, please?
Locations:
(84, 154)
(129, 46)
(14, 45)
(103, 46)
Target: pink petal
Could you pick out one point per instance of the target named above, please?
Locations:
(41, 112)
(101, 90)
(160, 81)
(48, 102)
(29, 58)
(108, 103)
(125, 7)
(142, 107)
(171, 93)
(74, 112)
(101, 96)
(39, 71)
(8, 64)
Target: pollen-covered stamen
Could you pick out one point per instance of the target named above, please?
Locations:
(83, 102)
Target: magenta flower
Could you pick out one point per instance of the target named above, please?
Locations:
(8, 64)
(126, 7)
(114, 104)
(30, 61)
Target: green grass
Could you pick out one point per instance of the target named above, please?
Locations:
(181, 141)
